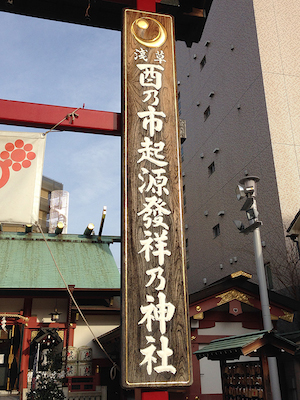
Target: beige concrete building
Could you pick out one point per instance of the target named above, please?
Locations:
(239, 91)
(48, 186)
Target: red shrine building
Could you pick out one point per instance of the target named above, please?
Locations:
(35, 307)
(230, 307)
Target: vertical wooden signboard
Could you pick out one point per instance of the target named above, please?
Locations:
(156, 340)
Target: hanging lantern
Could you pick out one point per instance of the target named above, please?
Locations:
(55, 315)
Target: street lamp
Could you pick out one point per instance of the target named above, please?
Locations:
(247, 189)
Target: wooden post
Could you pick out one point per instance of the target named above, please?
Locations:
(137, 394)
(155, 325)
(266, 377)
(222, 368)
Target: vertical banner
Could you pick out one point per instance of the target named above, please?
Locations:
(155, 326)
(21, 169)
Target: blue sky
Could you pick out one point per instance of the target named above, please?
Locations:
(65, 64)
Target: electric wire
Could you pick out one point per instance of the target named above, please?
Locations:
(115, 367)
(72, 114)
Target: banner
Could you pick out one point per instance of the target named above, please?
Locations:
(155, 323)
(21, 169)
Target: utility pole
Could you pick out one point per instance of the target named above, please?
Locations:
(248, 191)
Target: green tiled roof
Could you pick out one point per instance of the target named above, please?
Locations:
(231, 347)
(231, 343)
(25, 262)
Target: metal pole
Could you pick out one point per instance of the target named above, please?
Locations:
(265, 308)
(263, 291)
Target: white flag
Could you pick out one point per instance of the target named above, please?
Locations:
(21, 170)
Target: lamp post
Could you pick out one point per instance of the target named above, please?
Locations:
(247, 189)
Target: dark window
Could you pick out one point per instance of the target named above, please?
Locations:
(179, 104)
(202, 63)
(206, 113)
(216, 230)
(269, 278)
(186, 243)
(211, 168)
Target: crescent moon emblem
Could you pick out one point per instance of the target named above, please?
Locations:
(143, 23)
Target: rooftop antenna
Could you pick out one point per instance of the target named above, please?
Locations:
(102, 221)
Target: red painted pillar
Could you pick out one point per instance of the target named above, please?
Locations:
(147, 5)
(193, 392)
(195, 389)
(155, 396)
(25, 346)
(24, 359)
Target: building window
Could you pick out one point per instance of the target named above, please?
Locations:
(202, 63)
(211, 168)
(186, 243)
(182, 155)
(216, 230)
(45, 194)
(184, 203)
(269, 278)
(43, 215)
(206, 113)
(179, 104)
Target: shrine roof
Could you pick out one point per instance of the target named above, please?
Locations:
(235, 346)
(86, 262)
(240, 280)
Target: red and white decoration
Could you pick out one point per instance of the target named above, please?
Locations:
(21, 169)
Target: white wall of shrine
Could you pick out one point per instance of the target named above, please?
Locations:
(100, 324)
(226, 328)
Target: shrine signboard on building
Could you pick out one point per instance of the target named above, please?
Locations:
(155, 334)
